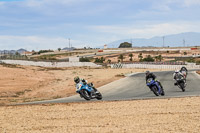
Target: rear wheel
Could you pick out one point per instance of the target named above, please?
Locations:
(99, 96)
(85, 94)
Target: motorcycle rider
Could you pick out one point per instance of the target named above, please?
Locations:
(178, 74)
(79, 83)
(151, 75)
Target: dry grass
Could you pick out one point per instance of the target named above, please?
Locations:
(175, 115)
(20, 83)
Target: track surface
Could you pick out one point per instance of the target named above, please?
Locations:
(134, 87)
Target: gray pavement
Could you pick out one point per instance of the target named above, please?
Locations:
(134, 87)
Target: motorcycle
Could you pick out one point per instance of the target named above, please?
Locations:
(88, 92)
(180, 82)
(155, 87)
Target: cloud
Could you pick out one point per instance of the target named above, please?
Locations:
(147, 30)
(35, 42)
(2, 3)
(45, 23)
(189, 3)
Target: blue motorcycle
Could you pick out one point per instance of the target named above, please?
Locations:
(88, 92)
(155, 87)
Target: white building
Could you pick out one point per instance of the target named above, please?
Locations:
(105, 46)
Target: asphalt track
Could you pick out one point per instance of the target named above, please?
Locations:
(134, 87)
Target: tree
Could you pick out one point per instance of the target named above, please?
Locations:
(125, 45)
(158, 58)
(131, 57)
(148, 59)
(140, 56)
(82, 59)
(121, 57)
(99, 60)
(59, 49)
(109, 61)
(17, 53)
(185, 53)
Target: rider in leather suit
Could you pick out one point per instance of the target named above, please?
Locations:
(78, 82)
(151, 75)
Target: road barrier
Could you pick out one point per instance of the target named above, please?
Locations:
(152, 66)
(50, 64)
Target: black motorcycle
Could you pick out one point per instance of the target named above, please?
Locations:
(181, 83)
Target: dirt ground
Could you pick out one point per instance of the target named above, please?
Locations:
(174, 115)
(27, 83)
(21, 84)
(198, 72)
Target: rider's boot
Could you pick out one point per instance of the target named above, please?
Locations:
(96, 91)
(160, 85)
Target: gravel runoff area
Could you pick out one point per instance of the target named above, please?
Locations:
(174, 115)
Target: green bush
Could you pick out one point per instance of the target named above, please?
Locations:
(148, 59)
(99, 60)
(82, 59)
(44, 51)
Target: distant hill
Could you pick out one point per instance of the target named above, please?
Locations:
(13, 51)
(175, 40)
(69, 49)
(21, 50)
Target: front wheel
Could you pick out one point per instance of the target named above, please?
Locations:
(154, 89)
(85, 94)
(162, 93)
(182, 86)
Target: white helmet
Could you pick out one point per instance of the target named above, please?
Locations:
(176, 71)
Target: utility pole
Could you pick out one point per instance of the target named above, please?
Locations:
(163, 41)
(131, 43)
(69, 43)
(183, 42)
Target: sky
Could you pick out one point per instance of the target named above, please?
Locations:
(53, 24)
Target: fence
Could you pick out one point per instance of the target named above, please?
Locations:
(159, 63)
(152, 66)
(50, 64)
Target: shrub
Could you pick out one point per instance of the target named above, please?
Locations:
(44, 51)
(84, 59)
(148, 59)
(99, 60)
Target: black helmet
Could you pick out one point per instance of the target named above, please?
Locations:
(147, 73)
(76, 79)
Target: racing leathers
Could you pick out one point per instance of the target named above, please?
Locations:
(151, 75)
(179, 75)
(83, 81)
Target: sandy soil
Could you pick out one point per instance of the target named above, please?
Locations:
(175, 115)
(21, 84)
(24, 84)
(198, 72)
